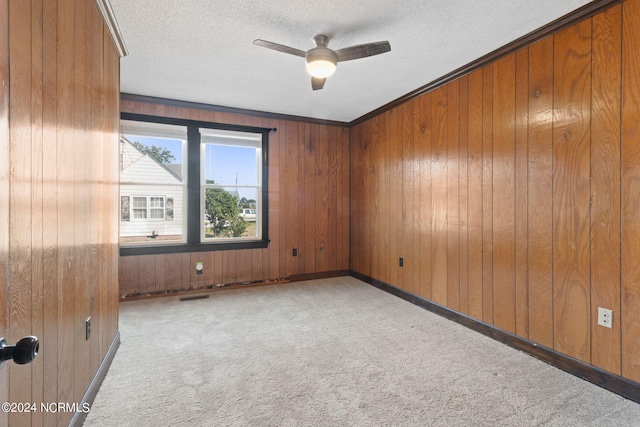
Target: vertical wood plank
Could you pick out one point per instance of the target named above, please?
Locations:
(423, 147)
(504, 301)
(206, 279)
(367, 216)
(160, 280)
(4, 193)
(243, 265)
(284, 253)
(475, 198)
(218, 269)
(80, 201)
(292, 199)
(189, 269)
(356, 185)
(521, 195)
(344, 206)
(172, 271)
(571, 193)
(303, 198)
(65, 152)
(188, 277)
(540, 184)
(630, 309)
(49, 205)
(37, 203)
(487, 193)
(373, 211)
(257, 265)
(605, 185)
(128, 274)
(310, 210)
(408, 192)
(229, 268)
(332, 200)
(383, 258)
(322, 198)
(20, 173)
(463, 184)
(439, 195)
(394, 187)
(398, 155)
(453, 196)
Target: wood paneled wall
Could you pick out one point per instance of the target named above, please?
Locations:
(63, 179)
(512, 193)
(308, 210)
(4, 194)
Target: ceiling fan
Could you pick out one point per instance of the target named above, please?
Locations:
(322, 61)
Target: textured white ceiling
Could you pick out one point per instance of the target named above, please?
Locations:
(202, 50)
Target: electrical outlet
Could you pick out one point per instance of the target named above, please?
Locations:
(294, 252)
(401, 262)
(199, 267)
(87, 328)
(605, 317)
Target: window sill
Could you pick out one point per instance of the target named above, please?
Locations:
(192, 247)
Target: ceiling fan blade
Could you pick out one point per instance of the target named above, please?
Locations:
(317, 83)
(363, 50)
(280, 47)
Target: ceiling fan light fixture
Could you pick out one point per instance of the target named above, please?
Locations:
(321, 67)
(321, 61)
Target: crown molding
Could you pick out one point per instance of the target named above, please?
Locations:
(222, 109)
(104, 6)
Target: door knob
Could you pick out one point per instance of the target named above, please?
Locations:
(23, 352)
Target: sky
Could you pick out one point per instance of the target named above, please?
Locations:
(224, 163)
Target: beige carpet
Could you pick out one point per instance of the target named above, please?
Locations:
(334, 352)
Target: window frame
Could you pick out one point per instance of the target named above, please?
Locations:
(204, 185)
(193, 202)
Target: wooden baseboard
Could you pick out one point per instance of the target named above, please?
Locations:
(321, 275)
(612, 382)
(94, 386)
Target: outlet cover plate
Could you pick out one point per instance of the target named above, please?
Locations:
(87, 328)
(605, 317)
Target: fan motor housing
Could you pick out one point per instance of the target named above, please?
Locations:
(321, 53)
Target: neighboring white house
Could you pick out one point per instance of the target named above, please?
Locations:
(151, 197)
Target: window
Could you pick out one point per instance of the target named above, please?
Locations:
(152, 183)
(231, 184)
(144, 208)
(188, 186)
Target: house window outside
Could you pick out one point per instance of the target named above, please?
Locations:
(144, 208)
(190, 186)
(156, 207)
(139, 208)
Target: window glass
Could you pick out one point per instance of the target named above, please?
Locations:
(152, 183)
(231, 184)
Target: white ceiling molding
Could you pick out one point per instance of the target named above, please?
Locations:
(110, 21)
